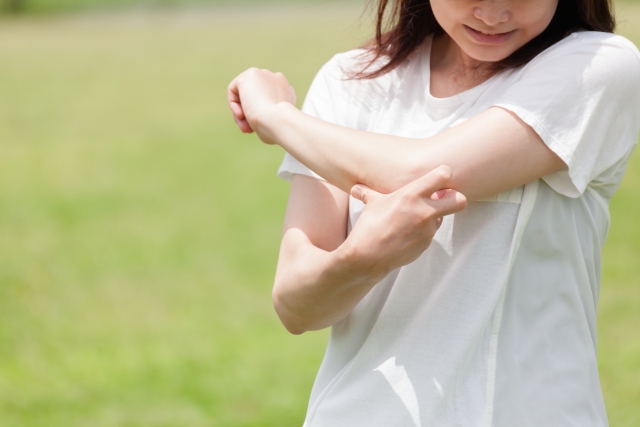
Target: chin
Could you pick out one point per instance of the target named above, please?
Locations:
(489, 54)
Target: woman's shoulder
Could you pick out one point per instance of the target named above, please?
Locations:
(588, 59)
(594, 38)
(347, 66)
(592, 44)
(337, 95)
(348, 61)
(353, 64)
(605, 39)
(340, 76)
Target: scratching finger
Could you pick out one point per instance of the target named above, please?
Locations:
(450, 203)
(363, 193)
(435, 180)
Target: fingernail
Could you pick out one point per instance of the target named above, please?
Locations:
(356, 192)
(438, 195)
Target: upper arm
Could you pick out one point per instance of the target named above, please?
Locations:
(577, 102)
(492, 152)
(317, 214)
(570, 118)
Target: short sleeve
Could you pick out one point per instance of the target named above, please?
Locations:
(582, 97)
(324, 101)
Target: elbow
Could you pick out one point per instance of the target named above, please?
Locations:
(294, 324)
(293, 329)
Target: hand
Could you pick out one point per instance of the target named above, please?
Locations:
(252, 93)
(394, 229)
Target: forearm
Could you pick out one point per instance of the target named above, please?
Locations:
(343, 156)
(490, 153)
(323, 274)
(315, 289)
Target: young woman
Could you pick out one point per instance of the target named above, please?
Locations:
(481, 142)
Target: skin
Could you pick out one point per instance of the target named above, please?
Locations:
(462, 53)
(322, 273)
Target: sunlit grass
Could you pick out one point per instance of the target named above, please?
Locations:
(47, 7)
(619, 307)
(139, 230)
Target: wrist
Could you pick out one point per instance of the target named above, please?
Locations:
(271, 120)
(360, 265)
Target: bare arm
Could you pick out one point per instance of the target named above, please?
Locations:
(322, 274)
(309, 267)
(489, 153)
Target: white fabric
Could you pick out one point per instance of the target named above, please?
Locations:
(494, 325)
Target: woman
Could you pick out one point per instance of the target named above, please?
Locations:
(465, 294)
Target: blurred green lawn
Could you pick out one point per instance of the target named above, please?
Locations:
(58, 6)
(139, 230)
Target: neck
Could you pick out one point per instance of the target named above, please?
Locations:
(450, 62)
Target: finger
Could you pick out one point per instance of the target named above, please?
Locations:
(363, 193)
(233, 98)
(233, 90)
(450, 203)
(438, 194)
(438, 223)
(237, 111)
(244, 125)
(435, 180)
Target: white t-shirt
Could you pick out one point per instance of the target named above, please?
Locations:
(495, 323)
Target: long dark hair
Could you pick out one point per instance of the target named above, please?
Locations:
(402, 25)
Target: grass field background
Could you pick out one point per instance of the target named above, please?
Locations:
(139, 230)
(64, 6)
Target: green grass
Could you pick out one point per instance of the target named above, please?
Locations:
(57, 6)
(139, 230)
(40, 7)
